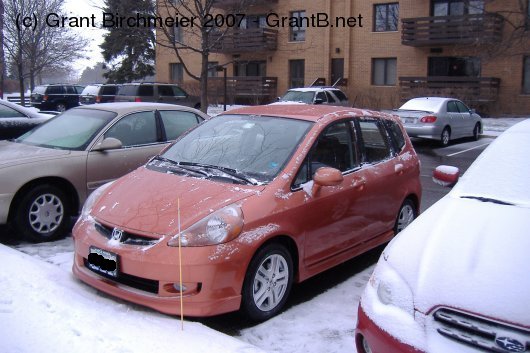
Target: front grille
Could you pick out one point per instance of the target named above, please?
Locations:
(482, 333)
(144, 284)
(126, 238)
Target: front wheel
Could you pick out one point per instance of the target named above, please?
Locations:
(268, 282)
(407, 213)
(43, 214)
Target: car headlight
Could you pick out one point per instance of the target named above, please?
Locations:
(391, 288)
(87, 207)
(216, 228)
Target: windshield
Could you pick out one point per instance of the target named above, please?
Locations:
(72, 130)
(257, 147)
(92, 90)
(297, 96)
(426, 105)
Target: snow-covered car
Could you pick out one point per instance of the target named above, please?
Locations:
(47, 173)
(315, 95)
(456, 280)
(441, 119)
(255, 199)
(16, 119)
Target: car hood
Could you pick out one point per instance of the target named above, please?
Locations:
(147, 201)
(467, 254)
(12, 153)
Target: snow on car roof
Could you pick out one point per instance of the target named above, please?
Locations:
(430, 104)
(502, 171)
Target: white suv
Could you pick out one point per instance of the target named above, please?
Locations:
(315, 95)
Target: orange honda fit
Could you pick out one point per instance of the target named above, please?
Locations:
(257, 198)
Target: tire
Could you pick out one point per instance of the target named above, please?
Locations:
(407, 213)
(266, 289)
(43, 214)
(60, 107)
(445, 137)
(476, 132)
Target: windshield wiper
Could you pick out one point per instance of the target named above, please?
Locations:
(487, 199)
(228, 171)
(177, 164)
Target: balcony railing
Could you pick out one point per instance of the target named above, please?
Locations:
(231, 4)
(244, 40)
(254, 89)
(469, 89)
(450, 30)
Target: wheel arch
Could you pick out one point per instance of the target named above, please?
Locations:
(61, 183)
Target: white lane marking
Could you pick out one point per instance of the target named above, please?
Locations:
(469, 149)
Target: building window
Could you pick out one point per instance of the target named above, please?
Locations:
(297, 34)
(457, 7)
(296, 73)
(386, 17)
(454, 66)
(384, 72)
(250, 68)
(526, 75)
(212, 68)
(176, 72)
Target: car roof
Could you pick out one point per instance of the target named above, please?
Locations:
(307, 112)
(501, 171)
(129, 107)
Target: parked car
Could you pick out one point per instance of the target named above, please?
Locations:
(315, 95)
(265, 196)
(456, 280)
(56, 97)
(98, 93)
(156, 92)
(16, 120)
(48, 172)
(442, 119)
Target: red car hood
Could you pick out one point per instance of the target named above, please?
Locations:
(146, 201)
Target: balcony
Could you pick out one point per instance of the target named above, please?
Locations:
(469, 89)
(243, 89)
(232, 4)
(244, 40)
(450, 30)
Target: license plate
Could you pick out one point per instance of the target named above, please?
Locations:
(408, 120)
(103, 262)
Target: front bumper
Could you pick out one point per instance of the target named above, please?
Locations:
(5, 203)
(213, 275)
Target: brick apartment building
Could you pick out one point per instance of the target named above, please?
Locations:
(381, 53)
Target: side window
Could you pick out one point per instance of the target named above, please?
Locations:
(340, 95)
(165, 91)
(373, 140)
(334, 148)
(70, 90)
(6, 112)
(330, 98)
(79, 89)
(145, 91)
(179, 92)
(321, 95)
(176, 122)
(55, 90)
(396, 134)
(451, 107)
(462, 107)
(135, 129)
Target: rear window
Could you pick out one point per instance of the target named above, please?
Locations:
(128, 90)
(40, 89)
(92, 90)
(109, 90)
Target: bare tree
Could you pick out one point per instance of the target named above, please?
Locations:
(34, 45)
(196, 38)
(2, 55)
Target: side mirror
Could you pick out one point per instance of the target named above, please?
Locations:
(319, 101)
(278, 99)
(108, 143)
(445, 175)
(326, 176)
(472, 111)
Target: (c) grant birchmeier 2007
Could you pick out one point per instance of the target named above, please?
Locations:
(115, 20)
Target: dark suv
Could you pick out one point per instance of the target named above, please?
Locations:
(156, 92)
(58, 97)
(98, 93)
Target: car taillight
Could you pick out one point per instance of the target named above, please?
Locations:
(45, 98)
(428, 119)
(98, 99)
(137, 99)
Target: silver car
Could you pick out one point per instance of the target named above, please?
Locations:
(315, 95)
(47, 173)
(442, 119)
